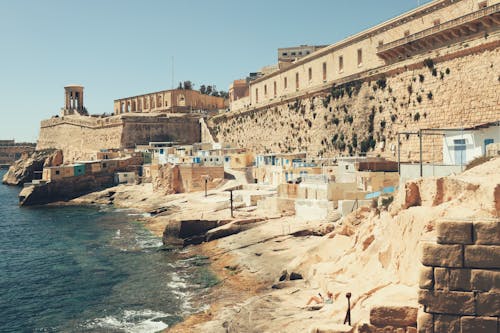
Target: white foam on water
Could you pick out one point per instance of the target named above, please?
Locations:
(131, 321)
(139, 214)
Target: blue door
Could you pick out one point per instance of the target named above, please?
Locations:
(487, 142)
(459, 146)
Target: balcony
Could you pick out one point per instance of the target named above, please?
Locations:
(485, 18)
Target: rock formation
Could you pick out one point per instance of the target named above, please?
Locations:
(23, 170)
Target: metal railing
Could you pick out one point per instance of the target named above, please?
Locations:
(441, 27)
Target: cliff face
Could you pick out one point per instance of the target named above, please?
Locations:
(23, 170)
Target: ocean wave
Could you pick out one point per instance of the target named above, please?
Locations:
(131, 321)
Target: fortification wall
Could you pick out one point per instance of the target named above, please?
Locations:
(459, 285)
(459, 90)
(81, 137)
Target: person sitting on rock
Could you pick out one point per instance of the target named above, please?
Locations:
(321, 299)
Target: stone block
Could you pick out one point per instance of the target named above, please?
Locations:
(411, 330)
(398, 316)
(485, 280)
(442, 255)
(487, 233)
(488, 304)
(446, 324)
(425, 322)
(449, 232)
(426, 279)
(482, 256)
(447, 302)
(452, 279)
(478, 325)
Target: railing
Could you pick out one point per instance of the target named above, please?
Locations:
(442, 27)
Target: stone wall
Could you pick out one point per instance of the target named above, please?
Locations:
(81, 137)
(457, 90)
(460, 283)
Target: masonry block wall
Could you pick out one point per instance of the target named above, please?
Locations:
(81, 137)
(460, 280)
(461, 90)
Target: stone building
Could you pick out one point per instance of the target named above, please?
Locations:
(289, 54)
(169, 101)
(73, 101)
(434, 26)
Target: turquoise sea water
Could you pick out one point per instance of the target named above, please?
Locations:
(88, 269)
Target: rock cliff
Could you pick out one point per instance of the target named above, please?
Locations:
(23, 170)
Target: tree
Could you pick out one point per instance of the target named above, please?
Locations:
(180, 85)
(203, 89)
(223, 94)
(209, 90)
(188, 85)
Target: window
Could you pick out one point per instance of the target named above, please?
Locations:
(285, 82)
(284, 54)
(360, 57)
(57, 172)
(407, 33)
(293, 53)
(256, 95)
(300, 52)
(436, 22)
(324, 71)
(380, 43)
(482, 4)
(104, 165)
(310, 72)
(275, 90)
(265, 90)
(297, 81)
(341, 64)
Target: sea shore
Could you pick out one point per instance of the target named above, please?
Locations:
(269, 270)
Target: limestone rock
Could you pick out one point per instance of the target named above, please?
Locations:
(23, 170)
(399, 316)
(412, 195)
(331, 328)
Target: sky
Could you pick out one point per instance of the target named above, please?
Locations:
(125, 48)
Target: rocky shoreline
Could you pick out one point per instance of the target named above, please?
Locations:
(270, 265)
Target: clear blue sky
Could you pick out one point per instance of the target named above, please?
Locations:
(124, 48)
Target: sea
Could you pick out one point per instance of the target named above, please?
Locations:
(91, 269)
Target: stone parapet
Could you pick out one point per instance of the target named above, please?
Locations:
(460, 280)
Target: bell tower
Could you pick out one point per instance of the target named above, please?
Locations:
(73, 100)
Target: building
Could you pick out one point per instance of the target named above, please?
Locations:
(289, 54)
(169, 101)
(462, 146)
(431, 27)
(73, 101)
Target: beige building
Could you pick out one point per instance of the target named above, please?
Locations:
(169, 101)
(431, 27)
(289, 54)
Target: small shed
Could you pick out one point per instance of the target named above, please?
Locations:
(124, 177)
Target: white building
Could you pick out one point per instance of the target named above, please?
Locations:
(462, 146)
